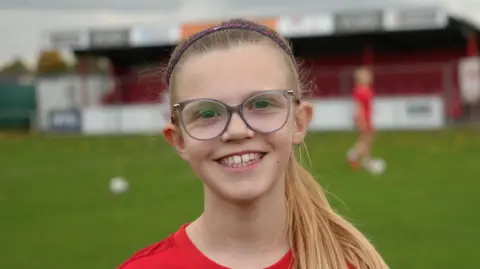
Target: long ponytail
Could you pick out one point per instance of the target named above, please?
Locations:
(320, 238)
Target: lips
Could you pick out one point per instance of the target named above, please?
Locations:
(242, 159)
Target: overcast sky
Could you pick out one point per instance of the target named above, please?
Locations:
(23, 21)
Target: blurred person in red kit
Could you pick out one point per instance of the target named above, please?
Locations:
(363, 97)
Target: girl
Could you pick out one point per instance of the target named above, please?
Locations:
(363, 102)
(237, 111)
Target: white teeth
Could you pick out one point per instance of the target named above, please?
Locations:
(241, 160)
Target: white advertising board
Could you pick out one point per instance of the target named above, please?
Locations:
(135, 119)
(59, 93)
(419, 112)
(415, 113)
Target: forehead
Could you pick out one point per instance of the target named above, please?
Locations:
(232, 74)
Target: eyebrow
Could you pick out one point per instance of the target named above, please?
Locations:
(256, 92)
(244, 98)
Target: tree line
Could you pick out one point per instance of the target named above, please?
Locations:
(53, 63)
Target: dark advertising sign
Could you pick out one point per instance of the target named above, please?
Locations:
(110, 38)
(358, 22)
(66, 120)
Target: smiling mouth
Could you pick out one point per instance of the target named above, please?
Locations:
(241, 160)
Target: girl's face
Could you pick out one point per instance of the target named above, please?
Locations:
(239, 164)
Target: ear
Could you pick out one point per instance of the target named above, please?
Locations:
(173, 135)
(303, 117)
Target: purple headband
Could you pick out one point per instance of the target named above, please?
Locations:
(232, 24)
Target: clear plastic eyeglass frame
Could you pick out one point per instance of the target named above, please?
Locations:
(238, 109)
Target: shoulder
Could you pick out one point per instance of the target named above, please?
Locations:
(163, 254)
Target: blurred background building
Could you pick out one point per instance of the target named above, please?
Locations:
(425, 61)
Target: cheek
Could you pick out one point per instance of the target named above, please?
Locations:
(286, 133)
(197, 151)
(283, 138)
(199, 155)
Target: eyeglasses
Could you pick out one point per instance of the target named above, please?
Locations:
(205, 118)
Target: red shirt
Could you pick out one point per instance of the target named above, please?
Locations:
(364, 96)
(178, 252)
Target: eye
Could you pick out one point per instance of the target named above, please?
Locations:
(260, 104)
(207, 113)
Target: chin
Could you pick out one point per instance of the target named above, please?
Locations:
(245, 192)
(242, 185)
(244, 198)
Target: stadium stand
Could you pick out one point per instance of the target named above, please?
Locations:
(412, 52)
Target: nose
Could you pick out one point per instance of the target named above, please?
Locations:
(237, 129)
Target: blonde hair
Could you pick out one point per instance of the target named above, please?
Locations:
(319, 237)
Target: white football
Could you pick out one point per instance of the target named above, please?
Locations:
(377, 166)
(118, 185)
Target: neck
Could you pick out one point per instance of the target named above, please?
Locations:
(257, 225)
(364, 84)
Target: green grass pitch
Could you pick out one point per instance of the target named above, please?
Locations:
(56, 210)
